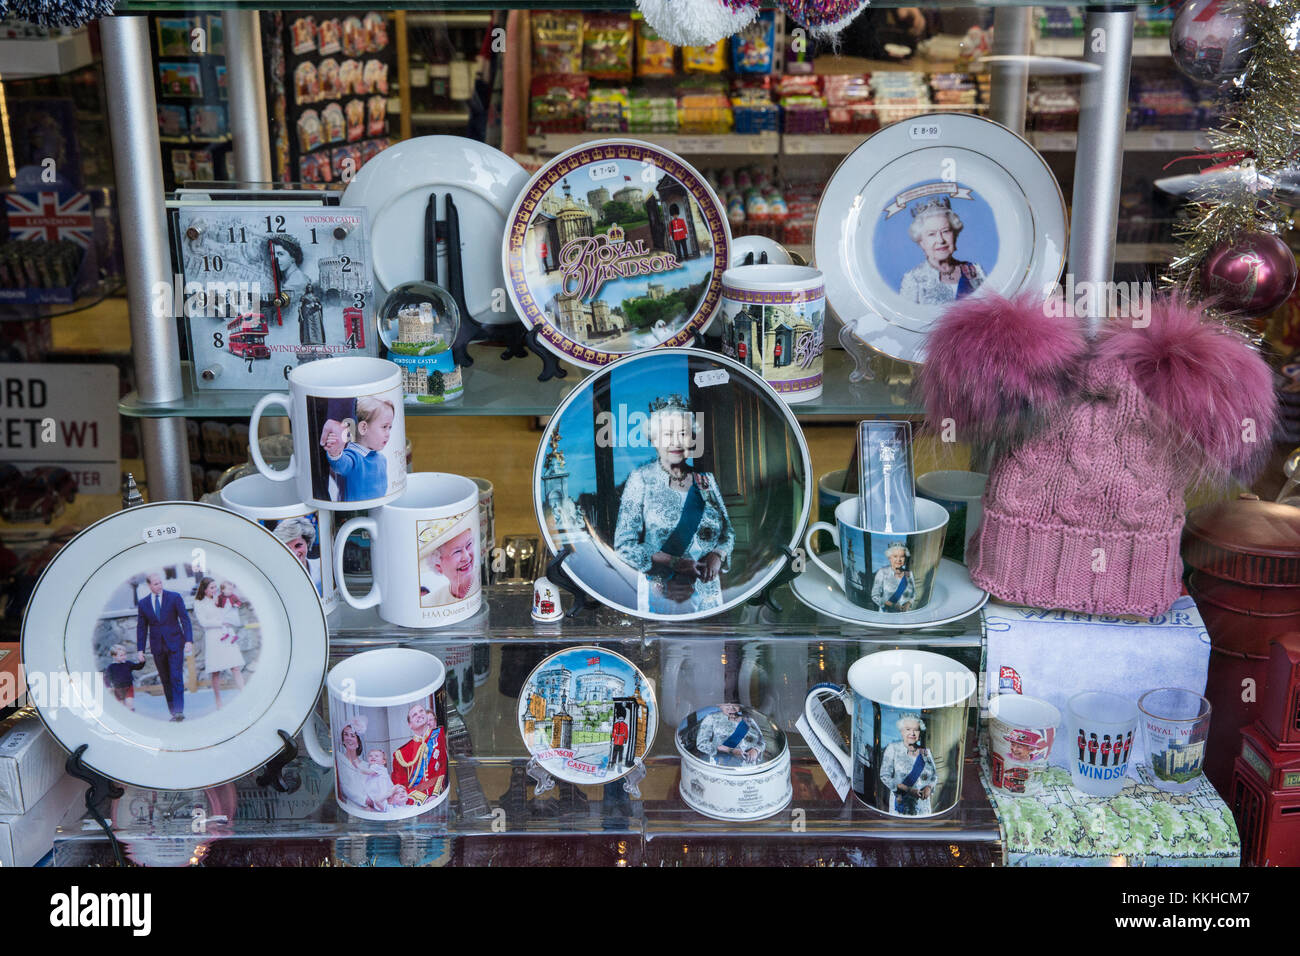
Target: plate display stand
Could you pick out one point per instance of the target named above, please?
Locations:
(99, 788)
(556, 574)
(272, 774)
(542, 780)
(764, 598)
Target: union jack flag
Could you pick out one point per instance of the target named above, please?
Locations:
(593, 661)
(44, 216)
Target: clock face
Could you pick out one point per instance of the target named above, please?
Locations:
(270, 288)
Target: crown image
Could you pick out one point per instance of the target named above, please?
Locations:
(673, 403)
(615, 233)
(937, 204)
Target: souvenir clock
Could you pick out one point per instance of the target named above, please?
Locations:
(269, 288)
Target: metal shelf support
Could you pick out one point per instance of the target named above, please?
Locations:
(249, 126)
(1012, 29)
(155, 345)
(1099, 161)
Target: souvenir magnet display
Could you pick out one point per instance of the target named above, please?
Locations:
(615, 247)
(587, 715)
(174, 640)
(678, 480)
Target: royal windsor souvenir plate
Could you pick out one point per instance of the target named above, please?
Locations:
(587, 715)
(174, 640)
(678, 480)
(396, 186)
(953, 597)
(615, 247)
(930, 210)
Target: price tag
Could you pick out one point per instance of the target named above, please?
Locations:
(830, 766)
(602, 171)
(715, 376)
(758, 145)
(160, 532)
(923, 131)
(693, 144)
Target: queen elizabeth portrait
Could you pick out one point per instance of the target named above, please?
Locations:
(907, 770)
(942, 277)
(672, 523)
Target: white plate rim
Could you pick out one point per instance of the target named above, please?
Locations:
(605, 359)
(947, 567)
(652, 728)
(649, 354)
(308, 637)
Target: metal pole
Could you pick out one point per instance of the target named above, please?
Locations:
(249, 125)
(1011, 37)
(155, 347)
(1099, 160)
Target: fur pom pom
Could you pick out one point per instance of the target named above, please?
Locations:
(998, 367)
(61, 13)
(697, 22)
(1214, 389)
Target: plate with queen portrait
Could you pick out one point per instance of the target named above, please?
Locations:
(677, 479)
(931, 210)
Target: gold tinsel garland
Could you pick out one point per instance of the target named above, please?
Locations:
(1261, 125)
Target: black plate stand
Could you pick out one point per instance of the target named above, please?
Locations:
(100, 789)
(764, 597)
(556, 574)
(272, 773)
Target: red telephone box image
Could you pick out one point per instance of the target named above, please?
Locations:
(354, 326)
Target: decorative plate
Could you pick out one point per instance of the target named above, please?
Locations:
(587, 715)
(678, 480)
(153, 718)
(615, 247)
(954, 596)
(930, 210)
(395, 187)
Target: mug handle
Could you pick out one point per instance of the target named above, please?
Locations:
(372, 597)
(834, 532)
(282, 400)
(828, 741)
(311, 738)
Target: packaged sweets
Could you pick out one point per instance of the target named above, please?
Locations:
(557, 42)
(557, 103)
(654, 55)
(651, 114)
(607, 111)
(705, 59)
(752, 48)
(607, 46)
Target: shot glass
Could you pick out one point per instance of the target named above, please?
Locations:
(1099, 732)
(1176, 725)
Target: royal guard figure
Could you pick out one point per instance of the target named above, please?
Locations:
(677, 232)
(1128, 745)
(1105, 751)
(420, 764)
(618, 737)
(1092, 748)
(1083, 745)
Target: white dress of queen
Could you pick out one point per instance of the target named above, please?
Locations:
(648, 514)
(220, 638)
(922, 284)
(885, 584)
(718, 728)
(895, 766)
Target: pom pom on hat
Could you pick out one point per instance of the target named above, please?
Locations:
(698, 22)
(824, 18)
(61, 13)
(1215, 390)
(997, 367)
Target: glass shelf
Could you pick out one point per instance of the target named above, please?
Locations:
(496, 387)
(178, 6)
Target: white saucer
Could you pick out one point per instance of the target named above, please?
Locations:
(954, 597)
(395, 186)
(741, 246)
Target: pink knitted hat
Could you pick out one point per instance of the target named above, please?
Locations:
(1095, 443)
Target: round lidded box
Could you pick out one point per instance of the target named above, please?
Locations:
(735, 763)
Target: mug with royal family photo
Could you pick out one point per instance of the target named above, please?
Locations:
(349, 433)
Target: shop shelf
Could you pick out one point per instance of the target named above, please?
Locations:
(685, 144)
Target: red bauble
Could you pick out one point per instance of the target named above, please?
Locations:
(1251, 276)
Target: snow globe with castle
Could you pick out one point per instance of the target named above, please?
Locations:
(418, 323)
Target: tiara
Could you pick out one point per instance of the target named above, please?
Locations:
(931, 205)
(673, 402)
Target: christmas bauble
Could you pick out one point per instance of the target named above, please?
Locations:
(1210, 41)
(1251, 276)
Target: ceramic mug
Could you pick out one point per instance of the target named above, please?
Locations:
(349, 433)
(304, 530)
(487, 532)
(1021, 733)
(870, 561)
(830, 492)
(961, 494)
(387, 723)
(424, 569)
(772, 322)
(909, 712)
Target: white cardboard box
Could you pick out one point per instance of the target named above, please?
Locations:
(31, 762)
(25, 838)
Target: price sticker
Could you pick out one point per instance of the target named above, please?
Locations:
(602, 171)
(714, 376)
(923, 131)
(160, 532)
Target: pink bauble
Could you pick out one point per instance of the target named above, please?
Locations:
(1251, 276)
(1210, 42)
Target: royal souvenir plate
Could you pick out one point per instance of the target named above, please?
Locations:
(678, 480)
(930, 210)
(587, 715)
(395, 187)
(615, 247)
(174, 640)
(953, 597)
